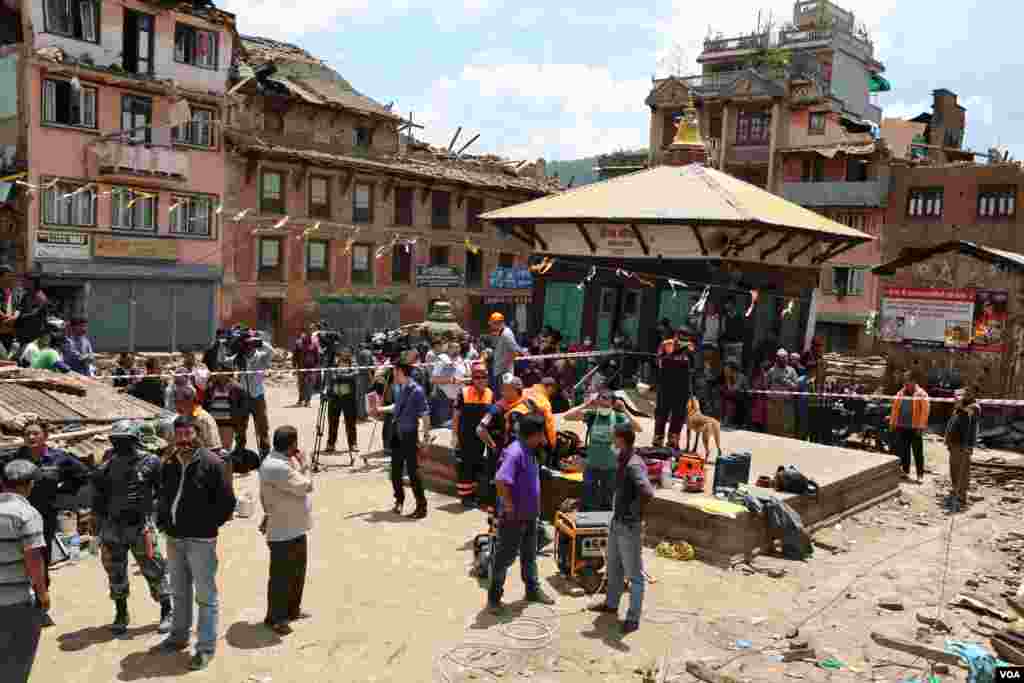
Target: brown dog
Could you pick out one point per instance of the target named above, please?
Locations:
(699, 425)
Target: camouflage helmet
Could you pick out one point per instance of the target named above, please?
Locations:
(125, 429)
(149, 439)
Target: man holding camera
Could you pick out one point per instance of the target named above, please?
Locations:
(252, 361)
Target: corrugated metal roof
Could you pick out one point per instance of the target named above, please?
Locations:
(911, 256)
(688, 195)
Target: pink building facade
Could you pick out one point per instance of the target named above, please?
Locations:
(118, 126)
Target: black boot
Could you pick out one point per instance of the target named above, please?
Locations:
(120, 624)
(165, 616)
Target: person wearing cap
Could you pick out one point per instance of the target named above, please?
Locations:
(505, 346)
(61, 473)
(252, 363)
(471, 405)
(195, 500)
(674, 387)
(207, 433)
(41, 355)
(408, 411)
(518, 484)
(633, 491)
(541, 395)
(782, 377)
(603, 415)
(497, 427)
(22, 571)
(124, 489)
(447, 379)
(78, 353)
(342, 387)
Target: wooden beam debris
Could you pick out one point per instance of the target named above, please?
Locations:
(466, 146)
(587, 238)
(932, 654)
(458, 132)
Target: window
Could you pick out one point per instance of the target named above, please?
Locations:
(506, 260)
(136, 118)
(362, 203)
(272, 192)
(997, 202)
(269, 258)
(63, 105)
(273, 122)
(816, 123)
(195, 46)
(76, 19)
(856, 171)
(441, 205)
(198, 131)
(813, 170)
(846, 281)
(439, 256)
(401, 263)
(191, 216)
(362, 138)
(752, 128)
(319, 196)
(317, 262)
(65, 204)
(474, 268)
(403, 205)
(138, 43)
(474, 207)
(132, 210)
(925, 202)
(362, 266)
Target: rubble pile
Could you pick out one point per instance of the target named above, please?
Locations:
(868, 372)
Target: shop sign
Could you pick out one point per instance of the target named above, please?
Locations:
(439, 276)
(964, 319)
(149, 248)
(511, 278)
(62, 244)
(507, 299)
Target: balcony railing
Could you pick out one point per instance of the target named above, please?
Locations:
(873, 193)
(754, 42)
(749, 154)
(116, 157)
(791, 38)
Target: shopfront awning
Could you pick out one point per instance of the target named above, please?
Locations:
(91, 270)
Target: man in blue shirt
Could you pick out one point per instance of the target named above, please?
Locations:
(78, 353)
(409, 407)
(518, 483)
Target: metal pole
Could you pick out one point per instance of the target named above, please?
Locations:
(174, 319)
(131, 320)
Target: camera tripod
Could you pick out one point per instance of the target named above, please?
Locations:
(321, 423)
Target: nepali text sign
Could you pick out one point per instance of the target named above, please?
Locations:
(150, 248)
(62, 244)
(439, 276)
(934, 317)
(511, 278)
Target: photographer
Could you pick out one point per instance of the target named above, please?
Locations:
(341, 391)
(252, 361)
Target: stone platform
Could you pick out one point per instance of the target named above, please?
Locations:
(849, 480)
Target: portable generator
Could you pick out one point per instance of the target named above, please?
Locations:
(581, 543)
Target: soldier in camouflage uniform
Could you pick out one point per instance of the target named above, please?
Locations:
(126, 486)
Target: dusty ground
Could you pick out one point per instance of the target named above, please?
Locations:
(391, 599)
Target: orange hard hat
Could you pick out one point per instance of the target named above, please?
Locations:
(497, 317)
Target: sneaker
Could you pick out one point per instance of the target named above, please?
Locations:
(629, 626)
(540, 597)
(418, 513)
(200, 661)
(48, 620)
(603, 608)
(281, 629)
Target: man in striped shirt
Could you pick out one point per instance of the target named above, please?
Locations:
(21, 571)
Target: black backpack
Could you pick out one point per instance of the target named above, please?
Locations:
(791, 480)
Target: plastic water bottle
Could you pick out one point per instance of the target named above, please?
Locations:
(75, 548)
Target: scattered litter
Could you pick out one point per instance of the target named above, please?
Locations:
(831, 663)
(744, 644)
(675, 551)
(891, 603)
(981, 662)
(758, 620)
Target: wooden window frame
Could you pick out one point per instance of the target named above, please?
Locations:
(273, 273)
(117, 196)
(817, 130)
(130, 135)
(69, 6)
(399, 218)
(357, 218)
(186, 134)
(321, 210)
(276, 207)
(149, 59)
(477, 281)
(184, 57)
(851, 280)
(399, 255)
(435, 223)
(918, 206)
(57, 193)
(996, 202)
(318, 274)
(81, 93)
(441, 249)
(188, 210)
(747, 139)
(473, 222)
(362, 279)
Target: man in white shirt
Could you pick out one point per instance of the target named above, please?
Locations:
(286, 490)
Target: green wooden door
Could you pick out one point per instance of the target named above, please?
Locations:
(563, 309)
(675, 307)
(630, 324)
(607, 305)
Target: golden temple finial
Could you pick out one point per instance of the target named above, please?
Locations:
(688, 129)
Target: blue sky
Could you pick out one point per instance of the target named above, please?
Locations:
(566, 81)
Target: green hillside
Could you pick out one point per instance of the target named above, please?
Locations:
(582, 169)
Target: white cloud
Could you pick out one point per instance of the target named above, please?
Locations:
(538, 110)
